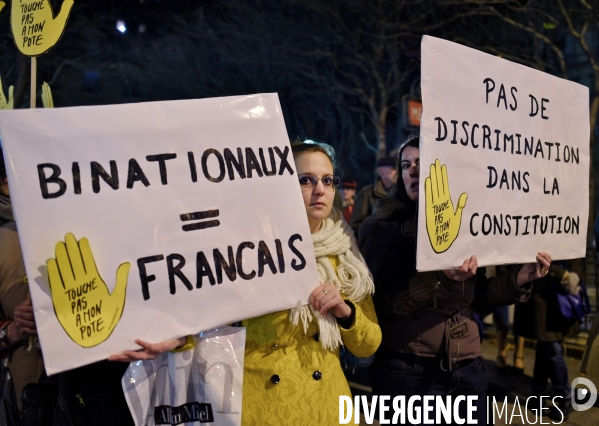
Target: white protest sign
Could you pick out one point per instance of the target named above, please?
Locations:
(504, 161)
(155, 220)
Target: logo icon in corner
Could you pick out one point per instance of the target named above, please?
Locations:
(584, 394)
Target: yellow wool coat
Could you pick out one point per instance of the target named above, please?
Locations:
(289, 379)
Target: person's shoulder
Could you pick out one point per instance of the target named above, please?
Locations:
(369, 225)
(378, 189)
(8, 228)
(9, 239)
(10, 247)
(375, 224)
(365, 190)
(377, 232)
(391, 209)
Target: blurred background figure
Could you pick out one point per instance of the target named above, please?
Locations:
(91, 395)
(549, 320)
(386, 175)
(20, 363)
(589, 366)
(430, 338)
(347, 191)
(503, 324)
(503, 319)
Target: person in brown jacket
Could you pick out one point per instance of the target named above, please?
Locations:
(25, 364)
(431, 343)
(541, 319)
(386, 175)
(93, 393)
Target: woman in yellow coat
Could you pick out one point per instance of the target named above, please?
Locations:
(292, 372)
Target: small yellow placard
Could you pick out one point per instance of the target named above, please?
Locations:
(442, 220)
(82, 303)
(6, 103)
(47, 99)
(34, 27)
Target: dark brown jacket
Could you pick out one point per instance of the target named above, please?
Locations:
(364, 203)
(425, 313)
(26, 366)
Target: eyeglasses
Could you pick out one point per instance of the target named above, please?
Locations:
(308, 179)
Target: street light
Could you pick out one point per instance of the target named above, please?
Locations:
(120, 25)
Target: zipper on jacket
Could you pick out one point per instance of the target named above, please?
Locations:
(409, 296)
(435, 287)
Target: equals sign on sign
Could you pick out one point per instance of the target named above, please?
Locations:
(199, 216)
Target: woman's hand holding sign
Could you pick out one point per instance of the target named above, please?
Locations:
(23, 325)
(327, 298)
(82, 303)
(442, 222)
(148, 350)
(464, 272)
(534, 270)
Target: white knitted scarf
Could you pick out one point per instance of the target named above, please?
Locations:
(353, 279)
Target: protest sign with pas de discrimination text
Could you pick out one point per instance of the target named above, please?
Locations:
(155, 220)
(504, 161)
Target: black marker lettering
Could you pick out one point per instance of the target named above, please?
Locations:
(143, 275)
(280, 256)
(265, 258)
(234, 163)
(488, 88)
(302, 260)
(203, 270)
(284, 162)
(111, 179)
(192, 166)
(251, 163)
(221, 165)
(135, 173)
(161, 159)
(76, 177)
(239, 260)
(273, 164)
(221, 264)
(439, 122)
(176, 271)
(462, 141)
(62, 185)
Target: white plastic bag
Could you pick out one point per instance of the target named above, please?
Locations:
(202, 385)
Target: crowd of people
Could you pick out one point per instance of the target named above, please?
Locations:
(421, 325)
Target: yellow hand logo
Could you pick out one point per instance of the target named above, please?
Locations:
(82, 303)
(34, 27)
(442, 222)
(2, 4)
(47, 100)
(6, 103)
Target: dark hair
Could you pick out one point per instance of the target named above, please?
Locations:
(2, 166)
(397, 201)
(410, 140)
(399, 190)
(307, 146)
